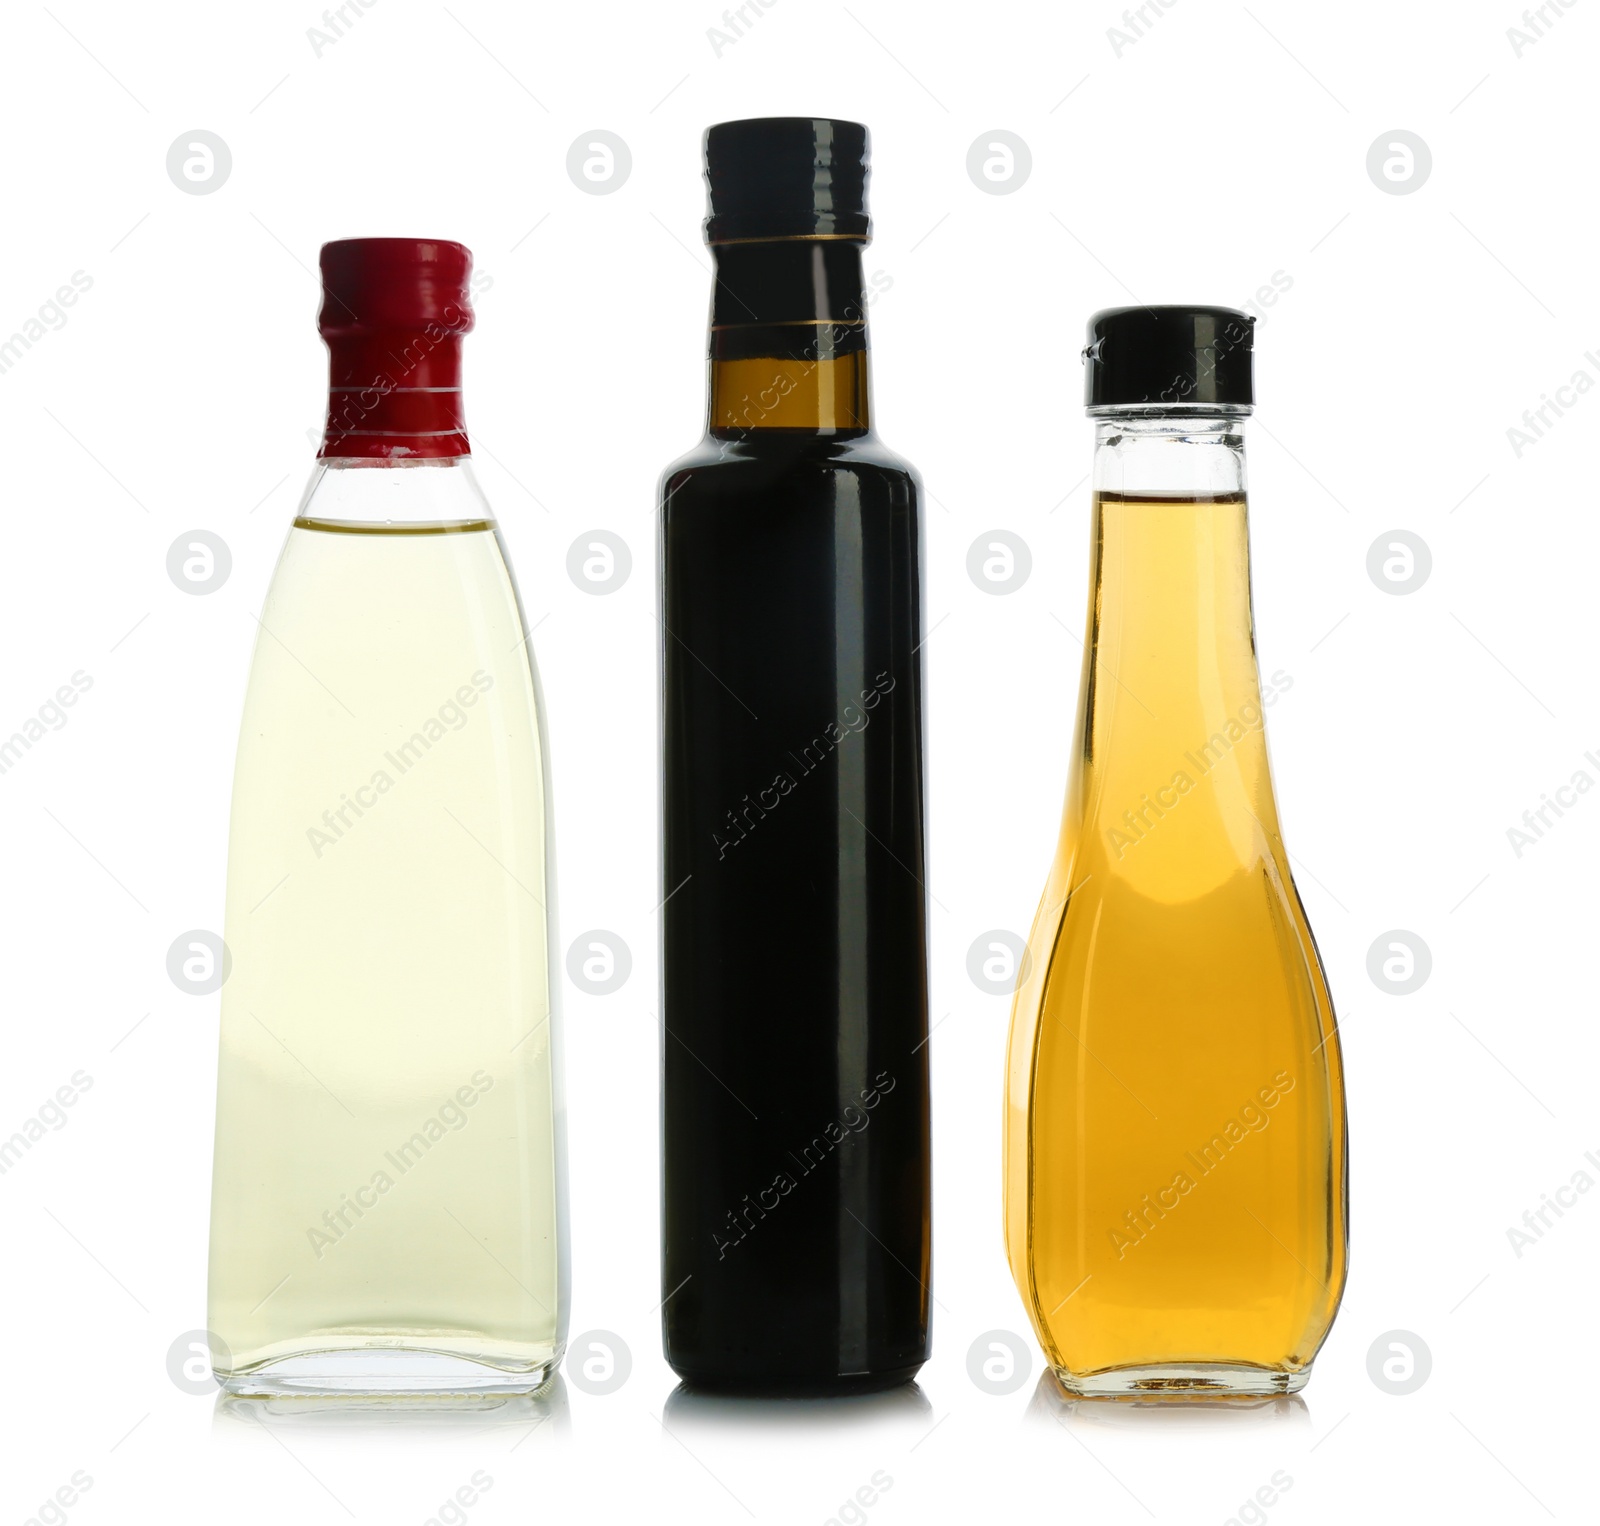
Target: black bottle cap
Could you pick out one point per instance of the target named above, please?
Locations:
(786, 177)
(1168, 357)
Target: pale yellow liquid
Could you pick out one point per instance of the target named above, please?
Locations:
(1175, 1154)
(387, 1016)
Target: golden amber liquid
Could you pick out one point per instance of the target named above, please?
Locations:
(1175, 1128)
(789, 392)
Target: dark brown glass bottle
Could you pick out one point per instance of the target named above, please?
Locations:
(794, 1067)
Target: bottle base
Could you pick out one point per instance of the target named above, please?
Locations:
(379, 1371)
(1184, 1380)
(834, 1386)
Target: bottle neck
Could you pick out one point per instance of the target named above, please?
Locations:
(788, 349)
(394, 396)
(1172, 567)
(394, 495)
(1193, 454)
(1172, 699)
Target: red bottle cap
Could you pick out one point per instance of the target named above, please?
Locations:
(393, 314)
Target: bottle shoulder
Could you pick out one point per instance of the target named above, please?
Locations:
(766, 456)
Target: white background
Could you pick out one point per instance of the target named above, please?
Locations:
(1222, 146)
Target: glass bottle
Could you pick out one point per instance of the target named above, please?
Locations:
(388, 1192)
(1175, 1121)
(795, 1082)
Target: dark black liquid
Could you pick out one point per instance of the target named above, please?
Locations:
(796, 1195)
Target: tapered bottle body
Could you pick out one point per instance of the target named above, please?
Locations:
(388, 1195)
(795, 1101)
(1175, 1122)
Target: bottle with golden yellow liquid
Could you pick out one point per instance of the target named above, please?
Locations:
(1175, 1121)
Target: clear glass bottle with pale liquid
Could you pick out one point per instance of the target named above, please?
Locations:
(1175, 1124)
(388, 1191)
